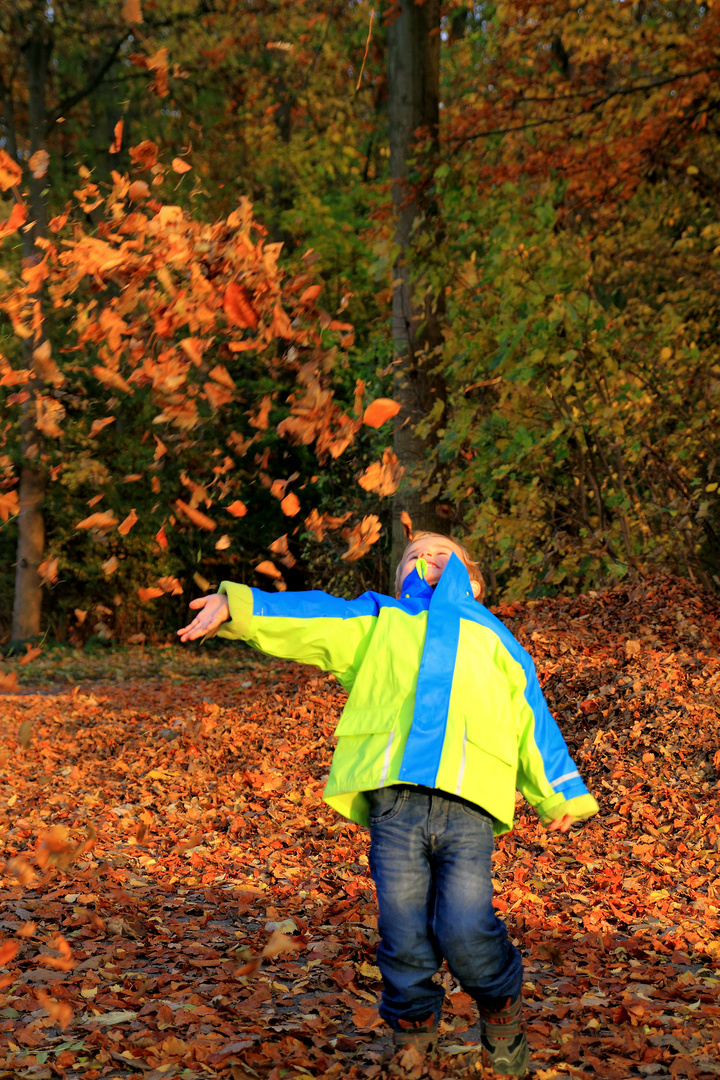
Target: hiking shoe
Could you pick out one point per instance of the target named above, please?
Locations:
(422, 1034)
(504, 1040)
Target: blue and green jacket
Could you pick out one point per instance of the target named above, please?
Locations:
(440, 694)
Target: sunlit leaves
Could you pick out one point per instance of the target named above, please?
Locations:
(361, 538)
(10, 171)
(380, 411)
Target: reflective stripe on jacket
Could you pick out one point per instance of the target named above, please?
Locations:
(440, 694)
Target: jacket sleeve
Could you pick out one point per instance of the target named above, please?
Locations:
(311, 627)
(547, 775)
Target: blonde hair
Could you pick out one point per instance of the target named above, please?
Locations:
(471, 566)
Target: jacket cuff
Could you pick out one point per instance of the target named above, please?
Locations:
(582, 806)
(240, 603)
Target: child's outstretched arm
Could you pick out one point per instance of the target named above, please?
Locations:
(214, 611)
(312, 627)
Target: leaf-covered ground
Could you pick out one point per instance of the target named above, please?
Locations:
(163, 828)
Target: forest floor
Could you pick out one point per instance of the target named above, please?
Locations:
(177, 901)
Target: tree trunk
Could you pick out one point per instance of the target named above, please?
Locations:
(27, 603)
(414, 113)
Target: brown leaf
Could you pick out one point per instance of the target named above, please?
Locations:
(110, 566)
(380, 411)
(138, 190)
(17, 217)
(9, 504)
(48, 570)
(290, 505)
(406, 522)
(8, 949)
(179, 166)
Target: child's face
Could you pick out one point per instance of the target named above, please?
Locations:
(435, 550)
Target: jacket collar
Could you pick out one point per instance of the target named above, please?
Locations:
(453, 587)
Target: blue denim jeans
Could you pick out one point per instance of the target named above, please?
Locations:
(430, 860)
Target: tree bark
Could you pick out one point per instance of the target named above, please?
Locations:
(413, 39)
(27, 605)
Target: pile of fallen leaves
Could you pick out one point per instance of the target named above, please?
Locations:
(177, 901)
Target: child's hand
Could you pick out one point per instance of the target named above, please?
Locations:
(561, 824)
(214, 613)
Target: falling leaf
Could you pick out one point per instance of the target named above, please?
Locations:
(268, 568)
(145, 154)
(116, 144)
(280, 547)
(10, 171)
(80, 615)
(101, 519)
(238, 307)
(196, 516)
(632, 648)
(18, 216)
(44, 366)
(161, 538)
(97, 425)
(9, 505)
(125, 526)
(362, 537)
(383, 477)
(110, 566)
(202, 582)
(279, 943)
(150, 593)
(310, 294)
(223, 543)
(64, 962)
(138, 190)
(132, 11)
(290, 505)
(48, 570)
(380, 411)
(60, 1011)
(8, 951)
(38, 163)
(406, 522)
(237, 508)
(179, 166)
(25, 734)
(171, 585)
(31, 654)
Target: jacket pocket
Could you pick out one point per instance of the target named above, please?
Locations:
(366, 722)
(494, 740)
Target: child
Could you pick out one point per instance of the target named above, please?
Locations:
(445, 717)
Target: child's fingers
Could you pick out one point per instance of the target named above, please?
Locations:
(199, 602)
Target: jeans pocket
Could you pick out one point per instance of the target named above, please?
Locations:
(475, 812)
(385, 803)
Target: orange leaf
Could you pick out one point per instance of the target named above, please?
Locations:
(237, 508)
(365, 1017)
(16, 219)
(379, 411)
(150, 593)
(290, 505)
(161, 537)
(8, 951)
(179, 166)
(64, 962)
(101, 519)
(384, 477)
(406, 522)
(39, 163)
(48, 570)
(138, 190)
(362, 537)
(281, 326)
(61, 1011)
(268, 568)
(10, 171)
(110, 566)
(31, 654)
(128, 523)
(97, 425)
(311, 293)
(118, 130)
(196, 516)
(9, 504)
(279, 943)
(238, 308)
(132, 11)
